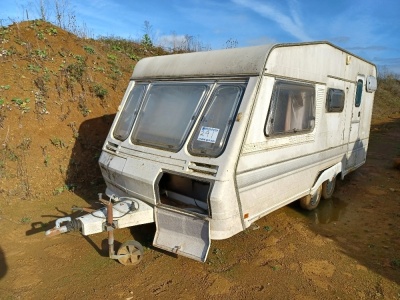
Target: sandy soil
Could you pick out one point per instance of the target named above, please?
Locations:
(346, 249)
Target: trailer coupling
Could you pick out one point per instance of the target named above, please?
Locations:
(116, 213)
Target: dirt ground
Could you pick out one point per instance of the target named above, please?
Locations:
(348, 248)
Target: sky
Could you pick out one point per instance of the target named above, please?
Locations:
(367, 28)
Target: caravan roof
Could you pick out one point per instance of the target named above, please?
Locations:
(248, 61)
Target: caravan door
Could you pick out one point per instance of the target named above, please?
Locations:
(356, 150)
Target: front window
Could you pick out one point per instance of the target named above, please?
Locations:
(211, 134)
(168, 113)
(292, 108)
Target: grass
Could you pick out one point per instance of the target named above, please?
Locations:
(57, 142)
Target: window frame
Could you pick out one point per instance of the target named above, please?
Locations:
(145, 86)
(226, 132)
(359, 92)
(269, 126)
(329, 96)
(191, 122)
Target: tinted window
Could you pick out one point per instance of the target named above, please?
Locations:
(335, 100)
(211, 135)
(292, 108)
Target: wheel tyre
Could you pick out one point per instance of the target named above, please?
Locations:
(328, 187)
(311, 202)
(132, 251)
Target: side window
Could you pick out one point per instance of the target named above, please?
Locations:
(360, 84)
(335, 100)
(129, 112)
(292, 108)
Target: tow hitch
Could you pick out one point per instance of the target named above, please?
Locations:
(124, 212)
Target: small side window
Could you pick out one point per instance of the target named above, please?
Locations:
(360, 84)
(129, 112)
(335, 100)
(292, 108)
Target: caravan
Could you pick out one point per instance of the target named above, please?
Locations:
(204, 144)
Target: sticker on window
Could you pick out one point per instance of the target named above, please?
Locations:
(208, 134)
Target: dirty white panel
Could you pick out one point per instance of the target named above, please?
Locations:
(183, 234)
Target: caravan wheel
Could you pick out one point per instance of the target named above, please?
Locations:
(311, 202)
(132, 253)
(328, 187)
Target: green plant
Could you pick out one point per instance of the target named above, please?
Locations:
(34, 68)
(85, 111)
(75, 71)
(61, 189)
(395, 263)
(89, 49)
(52, 31)
(57, 142)
(46, 160)
(40, 35)
(134, 57)
(146, 41)
(22, 104)
(112, 57)
(100, 69)
(25, 220)
(5, 87)
(41, 53)
(99, 91)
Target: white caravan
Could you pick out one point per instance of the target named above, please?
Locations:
(206, 143)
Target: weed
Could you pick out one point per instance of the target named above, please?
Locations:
(22, 171)
(75, 132)
(99, 91)
(395, 263)
(40, 35)
(57, 142)
(40, 84)
(46, 160)
(52, 31)
(5, 87)
(34, 68)
(2, 101)
(76, 71)
(41, 53)
(40, 104)
(25, 220)
(22, 104)
(64, 188)
(89, 49)
(99, 69)
(146, 41)
(134, 57)
(82, 107)
(25, 144)
(112, 57)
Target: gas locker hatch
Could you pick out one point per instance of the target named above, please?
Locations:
(182, 233)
